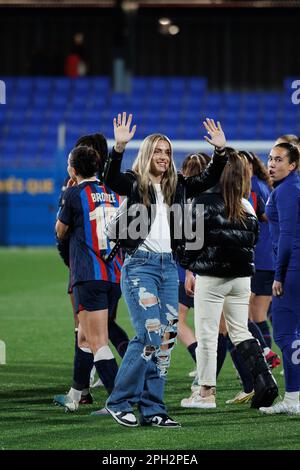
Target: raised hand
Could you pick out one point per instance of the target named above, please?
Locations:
(122, 131)
(217, 136)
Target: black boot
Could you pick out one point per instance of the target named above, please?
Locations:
(265, 387)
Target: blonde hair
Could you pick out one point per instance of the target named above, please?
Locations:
(142, 165)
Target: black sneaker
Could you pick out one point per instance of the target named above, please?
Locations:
(124, 417)
(160, 421)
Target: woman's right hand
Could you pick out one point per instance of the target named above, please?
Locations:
(122, 131)
(189, 284)
(217, 136)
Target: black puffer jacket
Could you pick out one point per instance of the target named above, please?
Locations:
(126, 184)
(228, 246)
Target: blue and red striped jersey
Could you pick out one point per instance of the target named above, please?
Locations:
(87, 208)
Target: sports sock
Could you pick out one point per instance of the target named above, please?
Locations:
(83, 364)
(256, 333)
(222, 350)
(291, 398)
(118, 337)
(265, 331)
(106, 367)
(75, 394)
(192, 350)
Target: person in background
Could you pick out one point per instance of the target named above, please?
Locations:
(83, 367)
(283, 212)
(85, 209)
(195, 164)
(223, 269)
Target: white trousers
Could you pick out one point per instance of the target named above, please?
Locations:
(212, 296)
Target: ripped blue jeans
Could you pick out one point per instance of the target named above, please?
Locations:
(149, 284)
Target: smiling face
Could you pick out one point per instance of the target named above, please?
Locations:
(161, 158)
(279, 165)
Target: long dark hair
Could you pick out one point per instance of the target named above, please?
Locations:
(234, 184)
(259, 168)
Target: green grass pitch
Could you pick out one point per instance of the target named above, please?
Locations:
(37, 326)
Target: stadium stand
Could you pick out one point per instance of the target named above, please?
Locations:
(174, 106)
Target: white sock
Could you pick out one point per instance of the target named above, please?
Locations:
(266, 351)
(291, 398)
(74, 394)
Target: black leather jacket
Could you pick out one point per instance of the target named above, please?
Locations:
(126, 184)
(228, 249)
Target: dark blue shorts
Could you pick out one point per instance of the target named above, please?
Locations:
(261, 282)
(185, 299)
(96, 295)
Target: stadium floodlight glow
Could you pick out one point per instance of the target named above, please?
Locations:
(129, 6)
(164, 21)
(173, 29)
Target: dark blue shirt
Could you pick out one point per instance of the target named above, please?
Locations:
(283, 212)
(263, 253)
(86, 209)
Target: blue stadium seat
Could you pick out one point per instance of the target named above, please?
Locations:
(82, 85)
(21, 101)
(196, 85)
(251, 101)
(267, 132)
(40, 102)
(100, 84)
(232, 101)
(58, 101)
(62, 85)
(158, 85)
(139, 85)
(42, 85)
(246, 132)
(177, 85)
(24, 85)
(189, 132)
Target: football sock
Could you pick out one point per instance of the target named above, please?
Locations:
(74, 394)
(265, 331)
(118, 337)
(192, 350)
(83, 364)
(256, 333)
(106, 367)
(291, 398)
(222, 350)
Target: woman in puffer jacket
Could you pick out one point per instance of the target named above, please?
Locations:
(224, 266)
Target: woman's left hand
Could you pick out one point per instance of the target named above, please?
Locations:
(217, 136)
(277, 289)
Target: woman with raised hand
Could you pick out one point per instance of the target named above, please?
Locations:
(149, 279)
(283, 212)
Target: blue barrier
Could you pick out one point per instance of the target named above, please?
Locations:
(28, 203)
